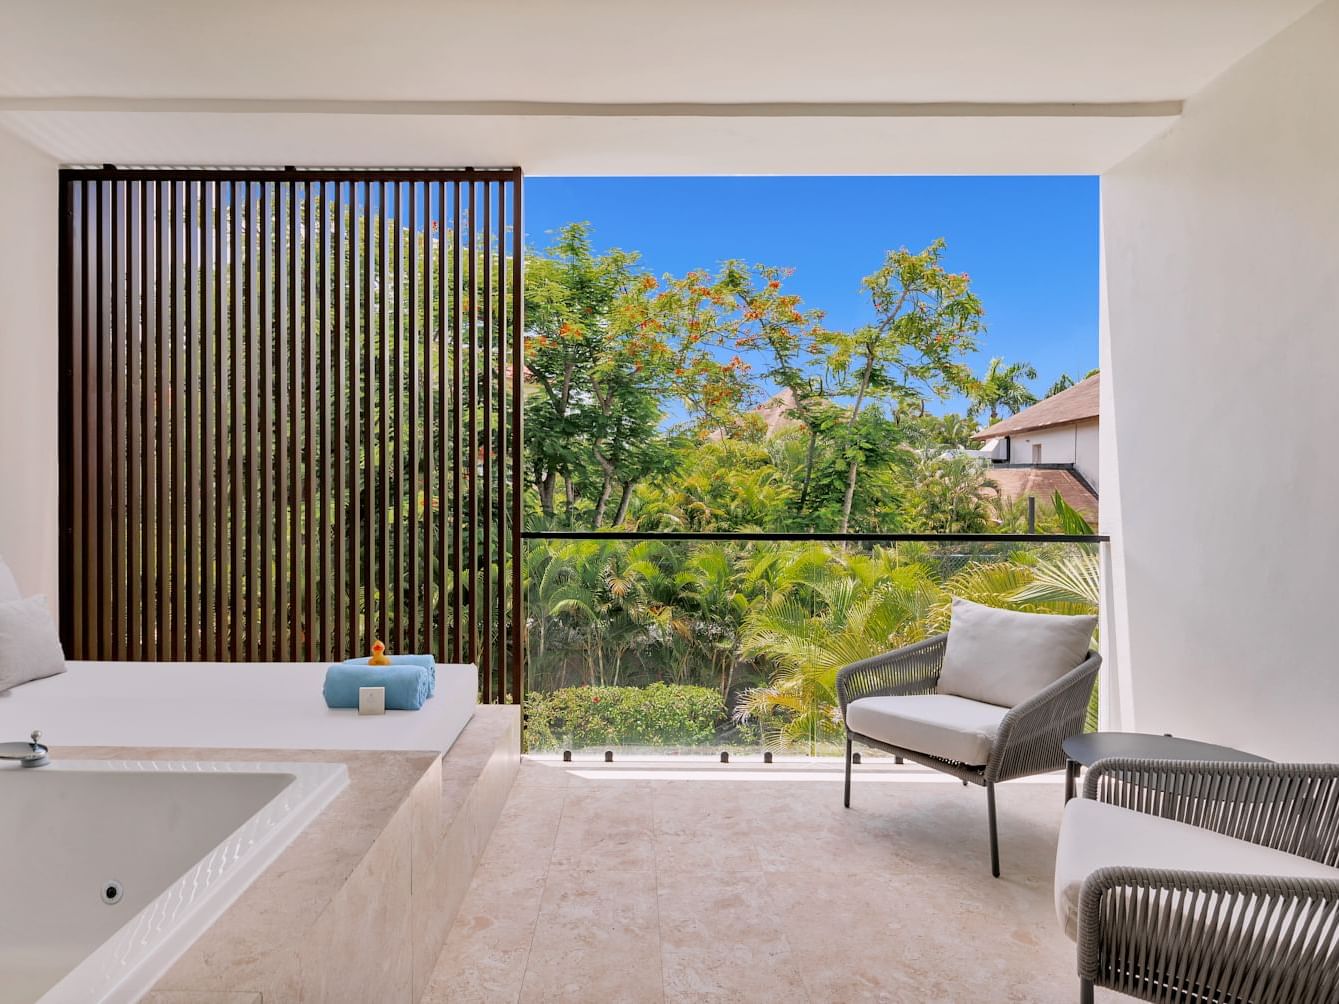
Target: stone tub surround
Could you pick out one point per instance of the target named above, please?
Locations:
(357, 907)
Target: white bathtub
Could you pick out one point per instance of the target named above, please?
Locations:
(171, 844)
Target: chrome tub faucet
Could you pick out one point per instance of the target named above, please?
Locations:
(29, 754)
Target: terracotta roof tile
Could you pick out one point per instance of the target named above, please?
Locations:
(1042, 483)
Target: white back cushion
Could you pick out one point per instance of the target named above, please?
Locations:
(1004, 657)
(9, 589)
(29, 646)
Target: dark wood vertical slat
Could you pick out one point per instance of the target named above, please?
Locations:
(486, 254)
(268, 593)
(444, 651)
(295, 389)
(86, 553)
(311, 462)
(73, 406)
(326, 451)
(195, 348)
(503, 614)
(517, 433)
(119, 586)
(180, 487)
(134, 456)
(457, 564)
(103, 412)
(472, 450)
(222, 360)
(397, 507)
(357, 237)
(383, 558)
(371, 332)
(280, 606)
(73, 410)
(415, 405)
(237, 621)
(165, 393)
(208, 417)
(68, 286)
(148, 474)
(254, 442)
(428, 459)
(344, 643)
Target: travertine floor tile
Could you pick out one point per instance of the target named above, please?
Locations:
(619, 884)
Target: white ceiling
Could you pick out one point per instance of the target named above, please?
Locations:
(835, 87)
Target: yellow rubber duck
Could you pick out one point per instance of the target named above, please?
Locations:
(379, 657)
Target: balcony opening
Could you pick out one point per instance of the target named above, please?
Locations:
(753, 450)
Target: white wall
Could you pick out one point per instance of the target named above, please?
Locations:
(1075, 444)
(1221, 346)
(28, 366)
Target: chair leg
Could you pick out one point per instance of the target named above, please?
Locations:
(994, 837)
(1085, 992)
(848, 772)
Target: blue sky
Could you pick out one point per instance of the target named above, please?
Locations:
(1029, 244)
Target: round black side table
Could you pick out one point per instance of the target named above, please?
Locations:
(1086, 749)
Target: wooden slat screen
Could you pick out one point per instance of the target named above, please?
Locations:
(291, 415)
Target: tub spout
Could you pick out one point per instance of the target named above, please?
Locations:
(29, 754)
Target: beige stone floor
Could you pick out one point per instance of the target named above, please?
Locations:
(637, 882)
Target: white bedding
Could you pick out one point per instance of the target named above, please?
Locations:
(241, 705)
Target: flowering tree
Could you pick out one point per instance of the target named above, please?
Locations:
(608, 346)
(927, 319)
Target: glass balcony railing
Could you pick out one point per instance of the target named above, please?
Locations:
(681, 643)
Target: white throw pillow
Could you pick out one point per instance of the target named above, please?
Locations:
(29, 646)
(1004, 657)
(9, 588)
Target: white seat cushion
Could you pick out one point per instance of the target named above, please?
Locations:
(952, 728)
(1096, 835)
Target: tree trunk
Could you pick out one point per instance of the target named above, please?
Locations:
(808, 468)
(623, 501)
(850, 476)
(605, 489)
(849, 498)
(546, 486)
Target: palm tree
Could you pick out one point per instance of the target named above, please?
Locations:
(831, 606)
(1064, 381)
(1002, 389)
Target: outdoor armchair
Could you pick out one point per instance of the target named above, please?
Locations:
(973, 740)
(1198, 881)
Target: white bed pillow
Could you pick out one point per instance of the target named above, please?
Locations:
(1004, 657)
(29, 646)
(9, 588)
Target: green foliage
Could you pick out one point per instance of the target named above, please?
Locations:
(766, 626)
(595, 717)
(1002, 389)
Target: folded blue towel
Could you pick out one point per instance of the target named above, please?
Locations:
(406, 686)
(425, 661)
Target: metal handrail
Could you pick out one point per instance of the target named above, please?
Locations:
(854, 538)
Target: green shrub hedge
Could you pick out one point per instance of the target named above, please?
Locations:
(662, 714)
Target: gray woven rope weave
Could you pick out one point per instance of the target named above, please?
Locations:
(1165, 935)
(1029, 736)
